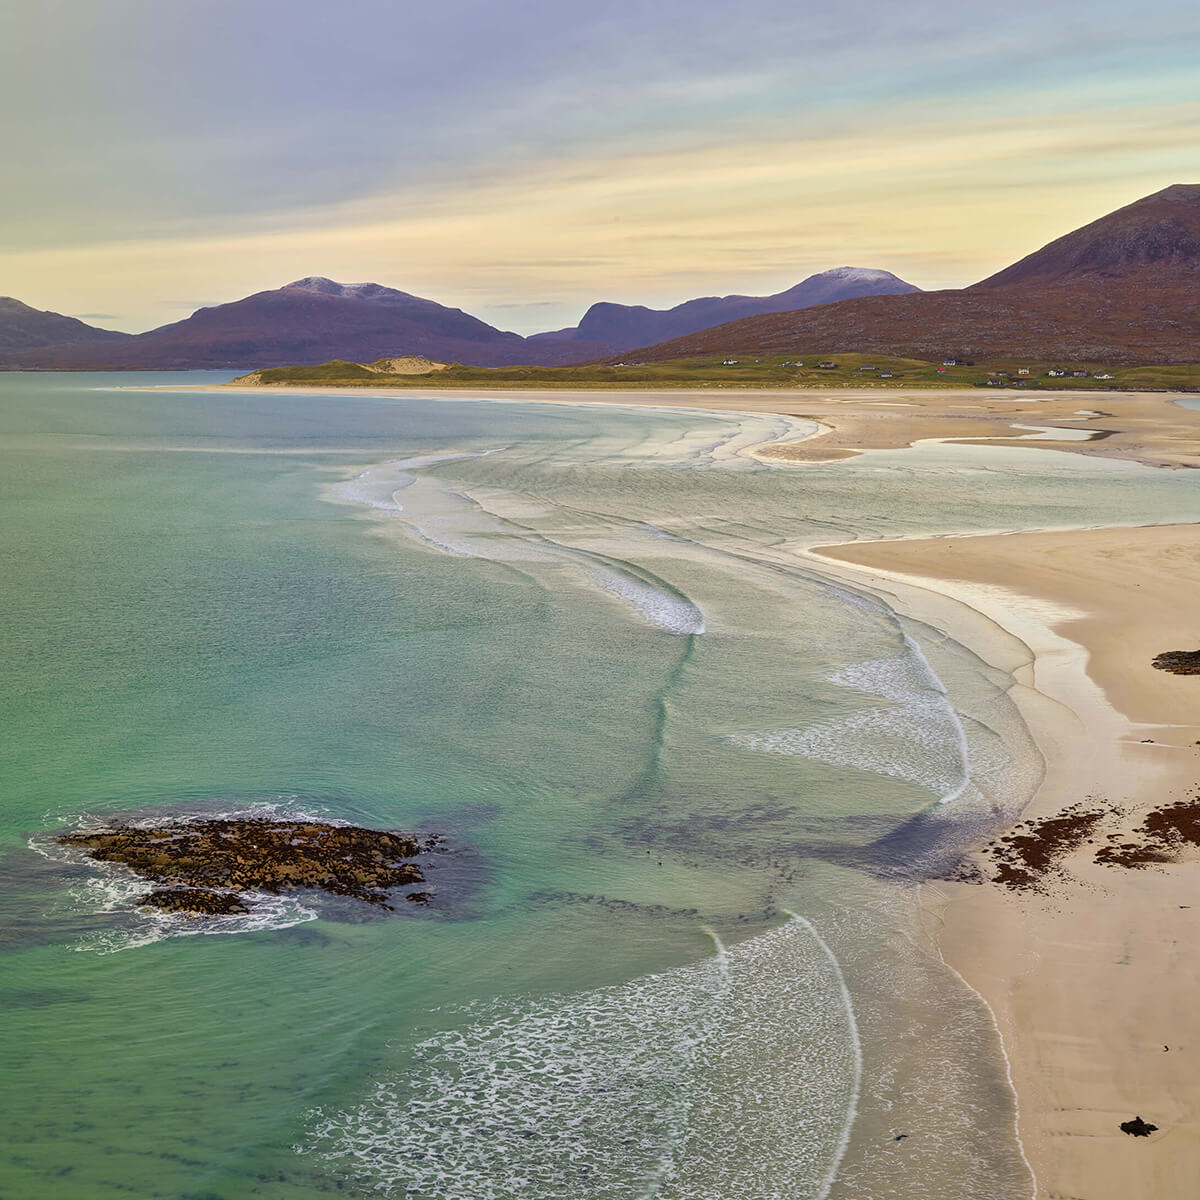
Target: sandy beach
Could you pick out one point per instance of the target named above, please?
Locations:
(1092, 977)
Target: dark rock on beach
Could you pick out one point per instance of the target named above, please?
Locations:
(203, 863)
(1138, 1128)
(1179, 662)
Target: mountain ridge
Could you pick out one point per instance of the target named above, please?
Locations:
(1124, 288)
(23, 327)
(625, 326)
(315, 319)
(309, 320)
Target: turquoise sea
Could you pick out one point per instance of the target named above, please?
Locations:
(687, 787)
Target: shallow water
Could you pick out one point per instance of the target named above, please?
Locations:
(687, 784)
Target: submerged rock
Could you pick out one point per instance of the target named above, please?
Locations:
(206, 862)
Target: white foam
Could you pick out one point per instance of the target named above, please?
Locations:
(918, 737)
(734, 1077)
(465, 525)
(112, 888)
(378, 486)
(668, 610)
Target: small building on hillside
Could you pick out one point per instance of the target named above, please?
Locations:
(827, 366)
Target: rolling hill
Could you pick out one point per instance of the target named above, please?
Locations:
(308, 321)
(23, 328)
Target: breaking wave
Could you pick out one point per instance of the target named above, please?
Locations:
(456, 522)
(917, 736)
(660, 605)
(735, 1076)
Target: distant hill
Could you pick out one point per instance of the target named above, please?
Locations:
(624, 326)
(309, 321)
(1125, 288)
(24, 328)
(1122, 289)
(314, 320)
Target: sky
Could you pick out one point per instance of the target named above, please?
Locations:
(521, 160)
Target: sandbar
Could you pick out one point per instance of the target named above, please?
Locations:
(1147, 427)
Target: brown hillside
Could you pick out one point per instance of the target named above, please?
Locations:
(1125, 288)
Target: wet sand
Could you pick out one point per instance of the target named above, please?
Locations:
(1093, 976)
(1146, 427)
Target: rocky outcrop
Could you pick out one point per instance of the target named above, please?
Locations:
(208, 866)
(195, 901)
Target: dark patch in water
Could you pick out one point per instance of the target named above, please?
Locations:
(911, 847)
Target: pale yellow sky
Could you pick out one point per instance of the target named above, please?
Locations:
(721, 172)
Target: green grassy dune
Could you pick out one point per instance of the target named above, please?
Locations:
(850, 371)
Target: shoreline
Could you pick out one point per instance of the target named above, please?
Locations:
(1146, 427)
(1089, 980)
(1085, 983)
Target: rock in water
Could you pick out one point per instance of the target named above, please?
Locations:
(198, 901)
(204, 863)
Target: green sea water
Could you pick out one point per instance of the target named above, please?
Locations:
(686, 787)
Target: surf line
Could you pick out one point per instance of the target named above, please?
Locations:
(855, 1041)
(666, 1167)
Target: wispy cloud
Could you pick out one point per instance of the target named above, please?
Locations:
(622, 152)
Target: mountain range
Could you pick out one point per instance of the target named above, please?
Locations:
(315, 319)
(1122, 289)
(626, 326)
